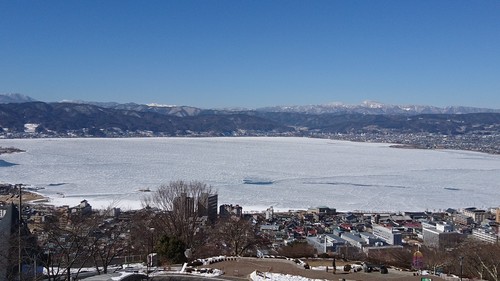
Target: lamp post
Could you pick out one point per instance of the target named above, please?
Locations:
(461, 258)
(149, 257)
(152, 230)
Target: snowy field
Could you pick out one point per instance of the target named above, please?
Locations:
(305, 172)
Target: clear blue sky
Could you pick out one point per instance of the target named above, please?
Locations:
(253, 53)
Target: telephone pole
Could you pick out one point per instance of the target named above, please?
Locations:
(20, 265)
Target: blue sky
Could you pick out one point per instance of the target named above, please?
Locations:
(232, 53)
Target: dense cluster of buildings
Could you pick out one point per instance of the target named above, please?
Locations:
(349, 234)
(346, 234)
(487, 143)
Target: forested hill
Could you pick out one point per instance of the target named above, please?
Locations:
(60, 119)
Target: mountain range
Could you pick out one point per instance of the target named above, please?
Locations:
(21, 116)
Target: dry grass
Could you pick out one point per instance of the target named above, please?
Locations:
(242, 267)
(325, 262)
(27, 196)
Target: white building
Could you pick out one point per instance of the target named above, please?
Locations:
(485, 235)
(270, 213)
(389, 235)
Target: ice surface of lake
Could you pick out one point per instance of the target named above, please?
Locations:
(305, 172)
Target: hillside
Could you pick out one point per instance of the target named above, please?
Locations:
(473, 131)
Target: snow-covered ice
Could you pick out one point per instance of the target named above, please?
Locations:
(305, 172)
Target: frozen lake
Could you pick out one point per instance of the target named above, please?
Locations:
(305, 172)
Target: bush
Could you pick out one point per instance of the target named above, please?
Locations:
(297, 249)
(324, 256)
(172, 249)
(347, 267)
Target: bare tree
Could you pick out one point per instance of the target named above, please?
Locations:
(237, 234)
(180, 203)
(107, 242)
(396, 257)
(435, 258)
(479, 259)
(9, 258)
(67, 246)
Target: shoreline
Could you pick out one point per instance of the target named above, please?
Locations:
(326, 181)
(27, 197)
(396, 144)
(10, 150)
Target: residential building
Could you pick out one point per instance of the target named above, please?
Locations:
(322, 210)
(227, 210)
(439, 235)
(184, 205)
(463, 219)
(354, 239)
(485, 235)
(371, 239)
(477, 215)
(269, 227)
(327, 243)
(83, 208)
(207, 206)
(388, 234)
(269, 213)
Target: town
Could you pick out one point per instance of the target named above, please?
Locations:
(184, 222)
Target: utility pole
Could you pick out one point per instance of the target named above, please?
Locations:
(20, 265)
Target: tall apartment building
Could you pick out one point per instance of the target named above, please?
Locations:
(207, 206)
(498, 215)
(184, 205)
(270, 213)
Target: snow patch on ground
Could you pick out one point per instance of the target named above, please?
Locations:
(265, 276)
(30, 127)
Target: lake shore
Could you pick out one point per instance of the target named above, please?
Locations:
(304, 172)
(27, 197)
(9, 150)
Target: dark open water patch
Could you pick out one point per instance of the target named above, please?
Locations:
(4, 163)
(56, 184)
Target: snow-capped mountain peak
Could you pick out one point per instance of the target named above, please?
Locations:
(15, 98)
(373, 104)
(373, 107)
